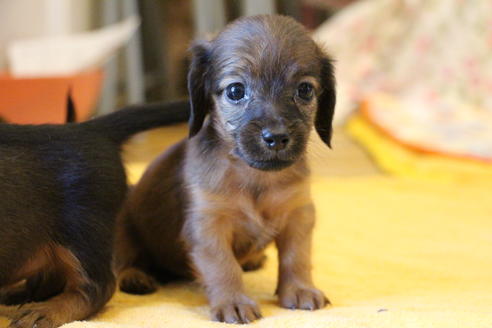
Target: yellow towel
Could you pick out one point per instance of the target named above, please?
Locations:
(388, 252)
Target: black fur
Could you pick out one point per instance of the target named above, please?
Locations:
(199, 92)
(327, 101)
(71, 111)
(63, 185)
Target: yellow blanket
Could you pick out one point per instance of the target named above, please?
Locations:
(388, 252)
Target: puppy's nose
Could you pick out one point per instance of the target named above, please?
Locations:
(275, 139)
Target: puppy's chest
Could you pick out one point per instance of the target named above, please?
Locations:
(260, 217)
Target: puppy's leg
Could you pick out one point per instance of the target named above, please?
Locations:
(35, 289)
(14, 294)
(88, 286)
(295, 288)
(44, 285)
(214, 261)
(131, 278)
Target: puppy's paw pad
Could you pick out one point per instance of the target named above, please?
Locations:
(137, 282)
(32, 319)
(303, 298)
(239, 313)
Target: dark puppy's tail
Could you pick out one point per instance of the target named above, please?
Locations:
(124, 123)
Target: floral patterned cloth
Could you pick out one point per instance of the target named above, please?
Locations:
(434, 57)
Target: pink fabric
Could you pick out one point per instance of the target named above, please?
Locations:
(433, 56)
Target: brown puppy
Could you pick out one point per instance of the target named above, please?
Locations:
(209, 206)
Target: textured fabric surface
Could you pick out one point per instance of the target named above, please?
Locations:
(433, 56)
(388, 252)
(413, 161)
(463, 133)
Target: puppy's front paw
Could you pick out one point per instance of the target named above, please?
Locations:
(240, 310)
(33, 319)
(304, 298)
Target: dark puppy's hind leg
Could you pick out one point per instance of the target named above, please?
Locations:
(88, 286)
(14, 294)
(82, 245)
(37, 288)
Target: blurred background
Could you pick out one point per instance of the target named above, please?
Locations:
(414, 76)
(145, 63)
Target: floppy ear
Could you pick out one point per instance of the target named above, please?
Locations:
(326, 102)
(200, 99)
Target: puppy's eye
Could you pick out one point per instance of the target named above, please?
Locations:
(235, 91)
(305, 91)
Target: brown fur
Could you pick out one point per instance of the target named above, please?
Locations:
(60, 271)
(209, 206)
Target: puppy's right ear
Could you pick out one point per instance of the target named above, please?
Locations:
(198, 89)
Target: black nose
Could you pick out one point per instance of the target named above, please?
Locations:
(276, 140)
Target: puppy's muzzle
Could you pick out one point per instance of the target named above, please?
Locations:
(275, 139)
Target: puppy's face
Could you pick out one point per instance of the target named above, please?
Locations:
(265, 83)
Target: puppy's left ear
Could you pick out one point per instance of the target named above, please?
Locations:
(200, 98)
(326, 102)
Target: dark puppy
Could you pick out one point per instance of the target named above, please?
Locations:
(209, 206)
(61, 187)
